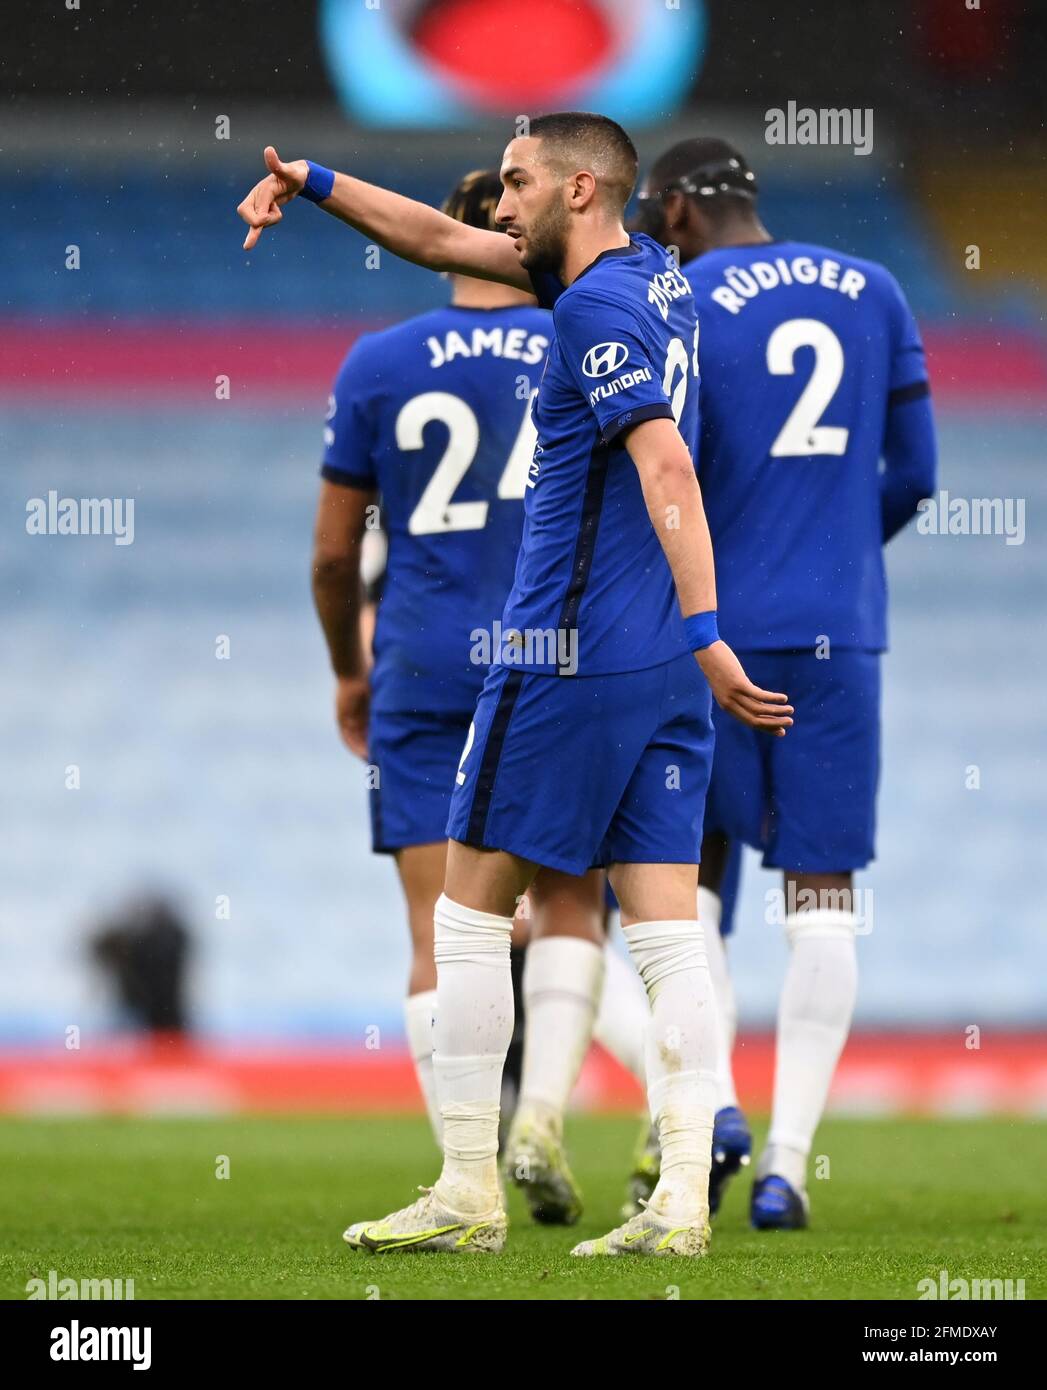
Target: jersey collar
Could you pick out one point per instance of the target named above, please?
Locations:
(632, 249)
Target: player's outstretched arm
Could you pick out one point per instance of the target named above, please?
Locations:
(674, 504)
(409, 229)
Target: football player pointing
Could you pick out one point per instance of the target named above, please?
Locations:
(592, 739)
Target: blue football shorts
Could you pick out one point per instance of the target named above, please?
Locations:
(576, 772)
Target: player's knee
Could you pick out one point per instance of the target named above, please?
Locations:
(420, 921)
(567, 905)
(421, 909)
(655, 892)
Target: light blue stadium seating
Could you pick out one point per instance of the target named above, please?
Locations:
(226, 777)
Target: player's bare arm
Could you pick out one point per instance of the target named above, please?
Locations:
(341, 514)
(409, 229)
(674, 504)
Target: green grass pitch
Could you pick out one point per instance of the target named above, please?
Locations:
(139, 1198)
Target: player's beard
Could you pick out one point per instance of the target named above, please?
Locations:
(547, 239)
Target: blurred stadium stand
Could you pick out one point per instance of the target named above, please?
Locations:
(164, 241)
(224, 778)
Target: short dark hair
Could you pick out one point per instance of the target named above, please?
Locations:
(591, 141)
(728, 185)
(475, 198)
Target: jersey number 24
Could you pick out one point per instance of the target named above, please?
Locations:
(435, 512)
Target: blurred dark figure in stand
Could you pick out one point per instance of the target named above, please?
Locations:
(143, 948)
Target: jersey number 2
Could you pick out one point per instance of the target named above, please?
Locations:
(801, 435)
(676, 357)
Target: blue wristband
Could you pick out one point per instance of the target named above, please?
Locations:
(319, 183)
(701, 630)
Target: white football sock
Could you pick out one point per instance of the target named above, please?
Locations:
(814, 1017)
(681, 1047)
(419, 1011)
(710, 907)
(562, 980)
(473, 1028)
(623, 1015)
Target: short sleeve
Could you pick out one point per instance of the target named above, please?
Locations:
(604, 348)
(349, 429)
(908, 380)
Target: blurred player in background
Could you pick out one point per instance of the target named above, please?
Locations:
(812, 372)
(616, 569)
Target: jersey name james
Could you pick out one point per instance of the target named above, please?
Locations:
(514, 344)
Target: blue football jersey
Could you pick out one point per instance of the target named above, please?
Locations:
(591, 568)
(435, 414)
(804, 352)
